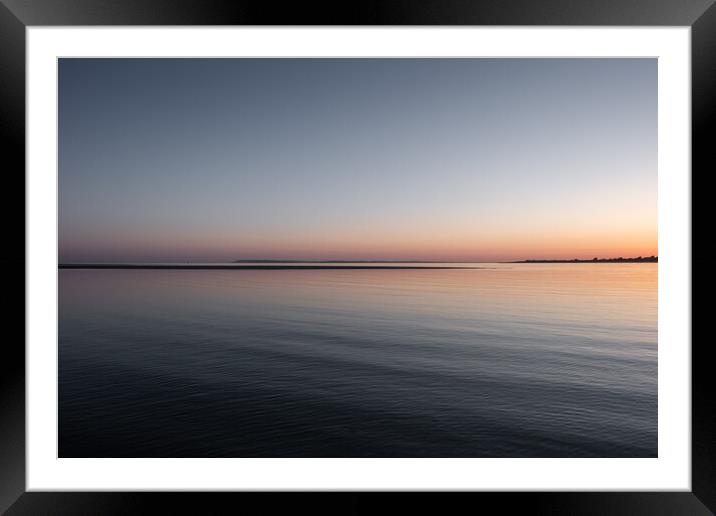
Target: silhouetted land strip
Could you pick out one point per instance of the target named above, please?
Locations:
(638, 259)
(232, 266)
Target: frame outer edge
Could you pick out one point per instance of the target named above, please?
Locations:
(364, 12)
(703, 113)
(12, 260)
(12, 130)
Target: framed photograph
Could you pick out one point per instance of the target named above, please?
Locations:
(440, 249)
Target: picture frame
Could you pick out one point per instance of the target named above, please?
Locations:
(16, 16)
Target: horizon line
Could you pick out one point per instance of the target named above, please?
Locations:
(294, 260)
(275, 263)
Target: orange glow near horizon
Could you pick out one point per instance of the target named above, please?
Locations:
(455, 244)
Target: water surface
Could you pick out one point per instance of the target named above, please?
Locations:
(504, 360)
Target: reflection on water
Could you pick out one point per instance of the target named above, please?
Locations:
(513, 360)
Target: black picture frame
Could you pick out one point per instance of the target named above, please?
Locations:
(16, 15)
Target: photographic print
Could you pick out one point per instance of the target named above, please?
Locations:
(357, 257)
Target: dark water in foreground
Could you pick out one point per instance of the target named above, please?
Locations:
(547, 360)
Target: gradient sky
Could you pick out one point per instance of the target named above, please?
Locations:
(432, 159)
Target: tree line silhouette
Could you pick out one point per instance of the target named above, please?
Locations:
(621, 259)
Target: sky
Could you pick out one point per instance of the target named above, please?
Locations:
(213, 160)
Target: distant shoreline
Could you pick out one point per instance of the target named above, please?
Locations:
(347, 265)
(647, 259)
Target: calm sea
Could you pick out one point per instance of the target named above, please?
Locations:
(509, 360)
